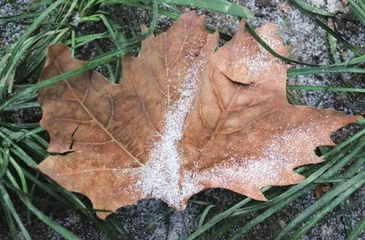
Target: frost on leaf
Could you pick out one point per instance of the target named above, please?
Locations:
(185, 118)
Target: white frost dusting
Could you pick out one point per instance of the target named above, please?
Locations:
(161, 175)
(279, 157)
(258, 62)
(163, 178)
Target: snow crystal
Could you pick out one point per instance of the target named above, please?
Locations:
(161, 177)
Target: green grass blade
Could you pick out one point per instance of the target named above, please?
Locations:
(354, 61)
(355, 167)
(331, 168)
(17, 18)
(327, 69)
(18, 151)
(357, 231)
(326, 28)
(52, 224)
(213, 5)
(9, 205)
(89, 65)
(69, 11)
(269, 212)
(204, 215)
(362, 4)
(270, 50)
(110, 57)
(55, 226)
(4, 161)
(12, 60)
(9, 220)
(328, 196)
(20, 106)
(35, 5)
(342, 192)
(358, 11)
(293, 190)
(315, 10)
(20, 175)
(323, 88)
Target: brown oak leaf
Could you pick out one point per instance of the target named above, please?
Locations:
(186, 118)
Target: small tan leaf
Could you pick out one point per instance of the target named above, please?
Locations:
(186, 118)
(321, 189)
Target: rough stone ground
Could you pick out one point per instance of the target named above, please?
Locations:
(151, 219)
